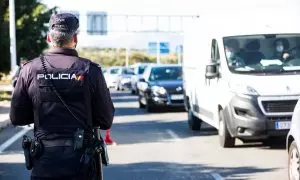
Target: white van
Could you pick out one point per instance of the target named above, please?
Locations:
(249, 93)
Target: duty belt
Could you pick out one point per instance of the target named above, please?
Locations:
(57, 142)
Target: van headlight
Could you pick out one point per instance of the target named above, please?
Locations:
(157, 90)
(242, 89)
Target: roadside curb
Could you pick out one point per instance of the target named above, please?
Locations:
(4, 124)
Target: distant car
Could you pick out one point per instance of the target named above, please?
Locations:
(139, 69)
(293, 145)
(104, 70)
(124, 78)
(111, 76)
(161, 85)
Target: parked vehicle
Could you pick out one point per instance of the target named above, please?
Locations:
(293, 145)
(139, 69)
(160, 86)
(111, 76)
(124, 78)
(236, 80)
(104, 70)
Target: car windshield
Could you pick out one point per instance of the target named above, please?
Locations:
(128, 71)
(269, 53)
(166, 73)
(114, 71)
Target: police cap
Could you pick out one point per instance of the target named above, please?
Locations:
(64, 22)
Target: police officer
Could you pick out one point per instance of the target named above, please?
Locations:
(81, 85)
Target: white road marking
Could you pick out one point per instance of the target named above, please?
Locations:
(173, 135)
(13, 139)
(217, 176)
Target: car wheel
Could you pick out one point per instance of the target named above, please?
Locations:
(132, 91)
(117, 88)
(193, 121)
(186, 103)
(294, 161)
(225, 138)
(149, 106)
(141, 105)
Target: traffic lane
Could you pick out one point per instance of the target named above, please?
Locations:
(157, 170)
(8, 132)
(200, 153)
(12, 167)
(162, 160)
(133, 125)
(193, 155)
(153, 167)
(244, 161)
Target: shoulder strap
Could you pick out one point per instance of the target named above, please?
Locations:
(53, 88)
(87, 93)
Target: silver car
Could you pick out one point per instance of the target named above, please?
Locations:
(111, 76)
(293, 145)
(124, 78)
(139, 69)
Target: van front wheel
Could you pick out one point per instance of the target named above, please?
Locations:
(293, 160)
(225, 138)
(186, 103)
(194, 122)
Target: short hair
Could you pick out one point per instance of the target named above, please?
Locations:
(23, 59)
(253, 45)
(59, 38)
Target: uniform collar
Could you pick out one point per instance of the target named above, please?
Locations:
(64, 51)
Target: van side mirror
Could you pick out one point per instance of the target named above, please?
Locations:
(212, 70)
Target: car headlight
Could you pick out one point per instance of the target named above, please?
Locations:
(157, 90)
(242, 89)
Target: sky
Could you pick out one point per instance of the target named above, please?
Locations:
(254, 9)
(221, 9)
(174, 6)
(129, 6)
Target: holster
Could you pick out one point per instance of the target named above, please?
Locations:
(104, 153)
(36, 149)
(26, 144)
(83, 140)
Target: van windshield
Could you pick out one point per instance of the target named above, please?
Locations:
(141, 69)
(269, 53)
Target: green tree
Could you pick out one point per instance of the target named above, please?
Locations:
(4, 38)
(31, 29)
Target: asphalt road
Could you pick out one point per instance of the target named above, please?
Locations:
(159, 146)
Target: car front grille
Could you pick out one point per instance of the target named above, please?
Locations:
(283, 118)
(279, 106)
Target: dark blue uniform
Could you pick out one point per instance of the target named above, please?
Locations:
(33, 101)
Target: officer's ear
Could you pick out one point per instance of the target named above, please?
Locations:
(48, 38)
(75, 38)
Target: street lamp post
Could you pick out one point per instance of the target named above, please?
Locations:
(12, 34)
